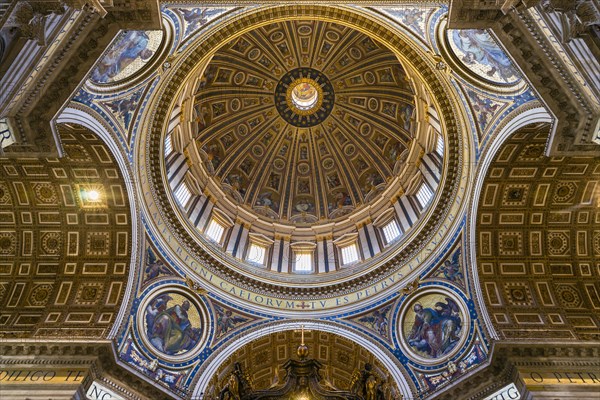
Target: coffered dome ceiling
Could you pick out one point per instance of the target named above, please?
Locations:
(305, 153)
(304, 121)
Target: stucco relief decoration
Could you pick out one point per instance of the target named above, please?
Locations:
(433, 326)
(131, 51)
(132, 355)
(480, 53)
(173, 324)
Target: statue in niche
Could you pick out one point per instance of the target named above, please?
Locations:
(368, 385)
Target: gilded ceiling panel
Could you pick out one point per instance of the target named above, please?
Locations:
(538, 242)
(304, 163)
(65, 241)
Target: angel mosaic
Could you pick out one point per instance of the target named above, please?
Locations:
(451, 269)
(484, 108)
(123, 109)
(414, 19)
(265, 199)
(226, 320)
(195, 18)
(154, 266)
(378, 320)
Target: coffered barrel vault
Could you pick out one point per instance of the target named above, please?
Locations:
(538, 242)
(65, 241)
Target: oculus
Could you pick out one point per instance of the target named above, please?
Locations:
(304, 97)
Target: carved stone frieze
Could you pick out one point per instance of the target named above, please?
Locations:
(576, 17)
(29, 18)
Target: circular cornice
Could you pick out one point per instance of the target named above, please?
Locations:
(386, 272)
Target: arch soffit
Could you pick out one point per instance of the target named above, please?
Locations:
(84, 116)
(517, 120)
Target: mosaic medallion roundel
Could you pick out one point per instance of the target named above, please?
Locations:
(128, 54)
(173, 324)
(480, 53)
(433, 326)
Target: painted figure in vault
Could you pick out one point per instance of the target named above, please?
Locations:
(451, 269)
(483, 107)
(131, 46)
(169, 328)
(479, 47)
(195, 18)
(413, 18)
(378, 320)
(154, 266)
(226, 320)
(124, 108)
(435, 331)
